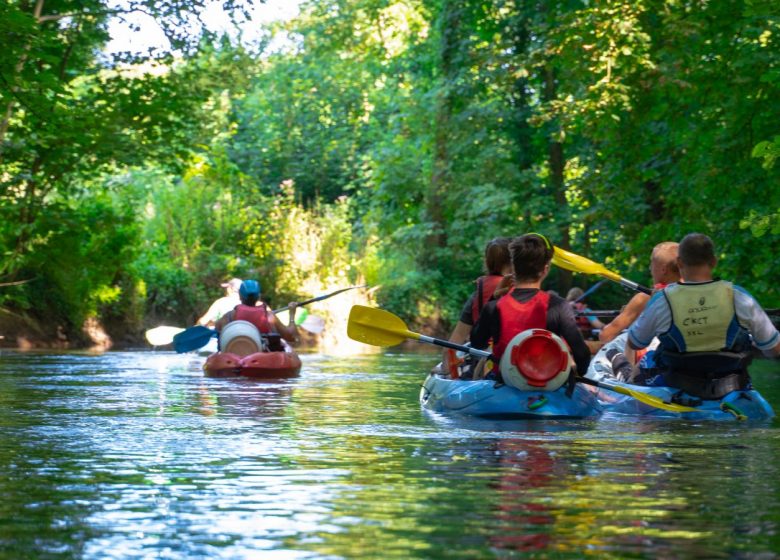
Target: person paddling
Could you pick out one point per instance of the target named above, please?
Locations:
(223, 304)
(527, 306)
(586, 323)
(663, 269)
(703, 325)
(255, 311)
(496, 280)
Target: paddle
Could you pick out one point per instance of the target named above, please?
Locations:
(381, 328)
(576, 263)
(198, 336)
(589, 291)
(772, 313)
(159, 336)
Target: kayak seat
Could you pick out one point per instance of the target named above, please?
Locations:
(273, 342)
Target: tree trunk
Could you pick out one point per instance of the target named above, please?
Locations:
(557, 163)
(441, 176)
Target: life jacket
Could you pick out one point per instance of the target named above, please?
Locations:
(517, 317)
(706, 351)
(703, 317)
(486, 285)
(257, 315)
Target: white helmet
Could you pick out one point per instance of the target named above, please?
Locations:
(536, 360)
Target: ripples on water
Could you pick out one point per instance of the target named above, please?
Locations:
(137, 455)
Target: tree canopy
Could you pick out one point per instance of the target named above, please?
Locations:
(388, 141)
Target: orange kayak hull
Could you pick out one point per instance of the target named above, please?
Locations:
(260, 365)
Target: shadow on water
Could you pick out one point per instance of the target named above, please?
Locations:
(136, 454)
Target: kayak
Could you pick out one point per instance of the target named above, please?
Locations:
(535, 367)
(740, 405)
(487, 399)
(259, 365)
(249, 353)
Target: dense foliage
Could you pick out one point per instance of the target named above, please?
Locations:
(387, 142)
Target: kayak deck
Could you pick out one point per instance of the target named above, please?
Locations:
(487, 399)
(260, 365)
(739, 405)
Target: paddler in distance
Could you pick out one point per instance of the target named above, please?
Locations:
(255, 311)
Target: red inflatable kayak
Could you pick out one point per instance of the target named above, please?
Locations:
(260, 365)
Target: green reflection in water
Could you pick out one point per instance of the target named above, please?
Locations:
(137, 455)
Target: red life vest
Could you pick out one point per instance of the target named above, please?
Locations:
(258, 316)
(517, 317)
(486, 285)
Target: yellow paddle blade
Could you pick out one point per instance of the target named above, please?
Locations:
(377, 327)
(650, 400)
(576, 263)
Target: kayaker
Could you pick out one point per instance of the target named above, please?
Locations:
(224, 304)
(586, 323)
(663, 269)
(496, 280)
(702, 324)
(252, 309)
(527, 306)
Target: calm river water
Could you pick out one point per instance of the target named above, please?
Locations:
(137, 455)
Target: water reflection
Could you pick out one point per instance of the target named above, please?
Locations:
(133, 455)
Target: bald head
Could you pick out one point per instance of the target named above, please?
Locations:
(663, 263)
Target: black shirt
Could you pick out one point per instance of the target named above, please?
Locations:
(560, 320)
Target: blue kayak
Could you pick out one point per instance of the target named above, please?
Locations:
(739, 405)
(486, 399)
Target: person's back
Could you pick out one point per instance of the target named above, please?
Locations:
(223, 305)
(703, 325)
(527, 306)
(497, 267)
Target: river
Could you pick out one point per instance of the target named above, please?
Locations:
(137, 455)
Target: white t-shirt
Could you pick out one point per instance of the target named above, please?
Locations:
(220, 307)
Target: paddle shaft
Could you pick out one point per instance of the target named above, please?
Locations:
(319, 298)
(452, 345)
(650, 400)
(636, 287)
(615, 313)
(590, 290)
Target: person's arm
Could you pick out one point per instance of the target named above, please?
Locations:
(656, 318)
(627, 316)
(594, 322)
(773, 352)
(209, 316)
(224, 320)
(289, 331)
(487, 326)
(749, 313)
(460, 335)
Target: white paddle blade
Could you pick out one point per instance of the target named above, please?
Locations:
(160, 336)
(313, 324)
